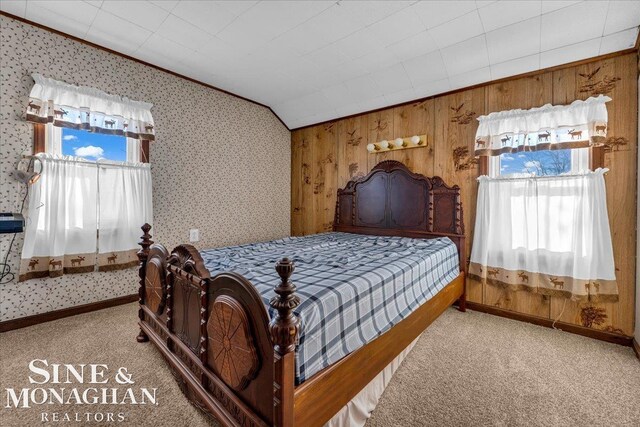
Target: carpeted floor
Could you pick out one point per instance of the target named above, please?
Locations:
(468, 369)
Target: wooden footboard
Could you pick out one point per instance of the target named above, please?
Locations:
(229, 359)
(234, 362)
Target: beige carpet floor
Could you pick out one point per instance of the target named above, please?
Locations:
(468, 369)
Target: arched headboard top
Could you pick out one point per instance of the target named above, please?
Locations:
(393, 201)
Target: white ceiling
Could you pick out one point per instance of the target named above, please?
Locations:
(312, 61)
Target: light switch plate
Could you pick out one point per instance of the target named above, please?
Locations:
(194, 235)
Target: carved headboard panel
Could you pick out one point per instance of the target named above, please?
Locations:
(393, 201)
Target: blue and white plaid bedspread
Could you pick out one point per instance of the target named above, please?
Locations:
(352, 287)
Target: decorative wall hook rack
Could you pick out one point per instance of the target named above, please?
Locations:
(415, 141)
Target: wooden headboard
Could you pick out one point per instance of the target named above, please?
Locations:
(393, 201)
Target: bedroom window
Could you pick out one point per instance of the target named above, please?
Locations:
(540, 163)
(541, 219)
(91, 146)
(94, 146)
(94, 188)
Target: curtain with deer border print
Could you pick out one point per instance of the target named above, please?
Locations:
(80, 107)
(550, 127)
(83, 214)
(548, 235)
(60, 233)
(124, 204)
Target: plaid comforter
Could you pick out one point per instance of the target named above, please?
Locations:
(352, 287)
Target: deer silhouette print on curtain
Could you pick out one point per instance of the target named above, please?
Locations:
(89, 214)
(548, 235)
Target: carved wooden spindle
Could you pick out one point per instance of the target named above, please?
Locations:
(459, 221)
(143, 254)
(285, 325)
(284, 328)
(204, 318)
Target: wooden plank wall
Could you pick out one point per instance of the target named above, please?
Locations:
(326, 156)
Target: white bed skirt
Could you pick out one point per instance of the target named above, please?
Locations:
(359, 409)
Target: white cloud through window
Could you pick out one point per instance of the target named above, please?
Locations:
(69, 137)
(532, 164)
(89, 151)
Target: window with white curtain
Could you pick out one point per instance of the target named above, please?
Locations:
(541, 220)
(94, 193)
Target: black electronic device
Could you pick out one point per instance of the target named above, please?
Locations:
(11, 223)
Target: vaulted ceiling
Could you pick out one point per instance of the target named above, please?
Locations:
(312, 61)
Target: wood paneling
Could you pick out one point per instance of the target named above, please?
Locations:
(352, 148)
(325, 175)
(409, 120)
(450, 123)
(297, 214)
(617, 78)
(380, 127)
(454, 136)
(308, 167)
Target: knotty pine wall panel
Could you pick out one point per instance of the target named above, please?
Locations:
(617, 77)
(352, 148)
(454, 136)
(325, 178)
(380, 127)
(297, 206)
(450, 123)
(413, 119)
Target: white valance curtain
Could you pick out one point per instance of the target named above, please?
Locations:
(80, 107)
(578, 125)
(548, 235)
(83, 214)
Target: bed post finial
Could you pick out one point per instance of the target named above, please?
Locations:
(285, 325)
(284, 329)
(143, 254)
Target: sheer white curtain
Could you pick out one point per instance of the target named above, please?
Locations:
(78, 209)
(125, 204)
(548, 235)
(60, 234)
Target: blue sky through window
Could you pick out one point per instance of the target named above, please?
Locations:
(547, 162)
(93, 146)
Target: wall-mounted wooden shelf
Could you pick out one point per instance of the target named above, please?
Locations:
(416, 141)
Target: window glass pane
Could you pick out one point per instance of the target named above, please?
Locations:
(93, 146)
(539, 163)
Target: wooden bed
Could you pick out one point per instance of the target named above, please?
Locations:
(186, 313)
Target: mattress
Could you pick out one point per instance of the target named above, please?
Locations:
(352, 287)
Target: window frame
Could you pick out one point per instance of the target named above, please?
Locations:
(490, 167)
(40, 142)
(579, 158)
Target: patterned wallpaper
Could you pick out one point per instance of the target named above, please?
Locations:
(219, 163)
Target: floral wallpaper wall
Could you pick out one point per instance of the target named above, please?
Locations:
(219, 164)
